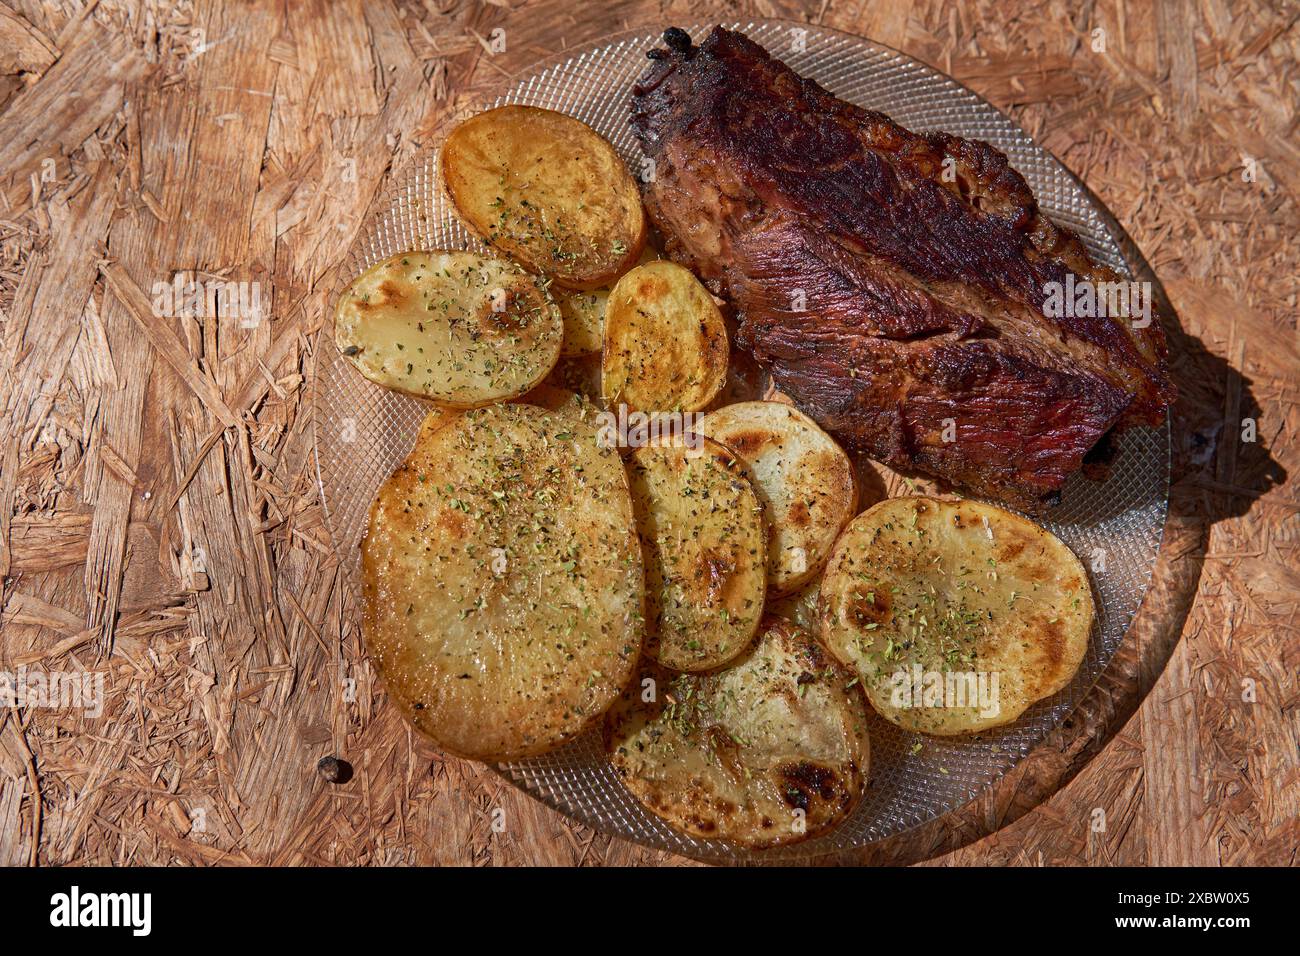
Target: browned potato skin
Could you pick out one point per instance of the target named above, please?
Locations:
(491, 663)
(570, 209)
(730, 754)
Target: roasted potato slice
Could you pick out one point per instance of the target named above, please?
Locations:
(435, 418)
(804, 479)
(548, 191)
(767, 750)
(584, 321)
(581, 375)
(956, 615)
(553, 398)
(572, 404)
(704, 548)
(803, 607)
(502, 583)
(584, 315)
(453, 327)
(665, 341)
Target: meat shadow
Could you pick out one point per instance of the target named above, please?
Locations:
(1220, 461)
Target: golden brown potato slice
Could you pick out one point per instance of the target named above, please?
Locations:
(665, 341)
(584, 315)
(803, 607)
(562, 400)
(704, 549)
(502, 582)
(584, 321)
(804, 479)
(453, 327)
(435, 419)
(769, 749)
(581, 375)
(548, 191)
(573, 404)
(956, 615)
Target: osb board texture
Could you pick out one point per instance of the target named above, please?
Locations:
(139, 139)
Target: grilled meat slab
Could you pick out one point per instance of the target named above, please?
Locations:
(895, 284)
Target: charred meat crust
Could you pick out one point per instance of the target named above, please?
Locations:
(886, 297)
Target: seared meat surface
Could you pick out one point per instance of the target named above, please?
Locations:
(894, 284)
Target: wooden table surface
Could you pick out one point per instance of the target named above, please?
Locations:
(159, 524)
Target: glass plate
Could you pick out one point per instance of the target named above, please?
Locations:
(362, 431)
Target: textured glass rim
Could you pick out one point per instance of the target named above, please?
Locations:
(400, 179)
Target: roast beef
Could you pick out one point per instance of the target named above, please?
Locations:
(899, 287)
